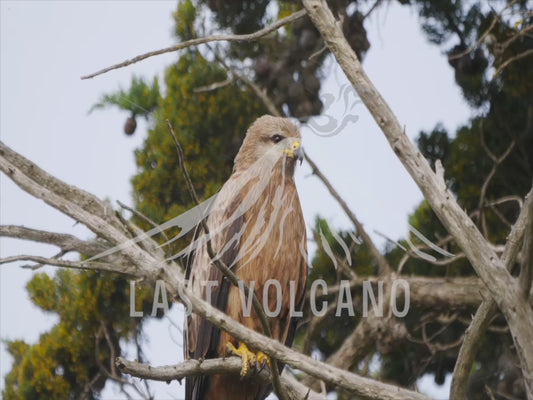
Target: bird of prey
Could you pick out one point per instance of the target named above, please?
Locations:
(257, 229)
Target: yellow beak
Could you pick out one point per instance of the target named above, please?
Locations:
(295, 151)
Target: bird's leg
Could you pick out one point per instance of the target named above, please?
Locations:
(249, 359)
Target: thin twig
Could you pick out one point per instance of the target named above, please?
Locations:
(101, 266)
(144, 241)
(510, 60)
(479, 41)
(496, 163)
(261, 94)
(143, 217)
(506, 199)
(318, 52)
(108, 373)
(195, 42)
(214, 86)
(513, 38)
(112, 350)
(88, 386)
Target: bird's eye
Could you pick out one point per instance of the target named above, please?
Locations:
(277, 138)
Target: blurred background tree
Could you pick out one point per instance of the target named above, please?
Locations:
(487, 163)
(140, 100)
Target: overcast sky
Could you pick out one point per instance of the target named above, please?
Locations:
(46, 47)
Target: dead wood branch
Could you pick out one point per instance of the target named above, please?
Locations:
(58, 262)
(229, 365)
(488, 266)
(64, 241)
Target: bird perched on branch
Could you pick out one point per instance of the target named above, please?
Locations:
(256, 228)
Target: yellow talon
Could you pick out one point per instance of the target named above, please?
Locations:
(249, 359)
(262, 359)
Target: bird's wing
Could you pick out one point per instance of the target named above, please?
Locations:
(201, 336)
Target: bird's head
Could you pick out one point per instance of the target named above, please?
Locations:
(272, 139)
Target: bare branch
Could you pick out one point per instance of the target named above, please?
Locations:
(83, 207)
(357, 344)
(517, 36)
(488, 266)
(318, 52)
(111, 373)
(214, 86)
(229, 365)
(143, 240)
(64, 241)
(57, 262)
(439, 171)
(260, 93)
(112, 349)
(429, 292)
(88, 386)
(496, 163)
(506, 199)
(70, 199)
(195, 42)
